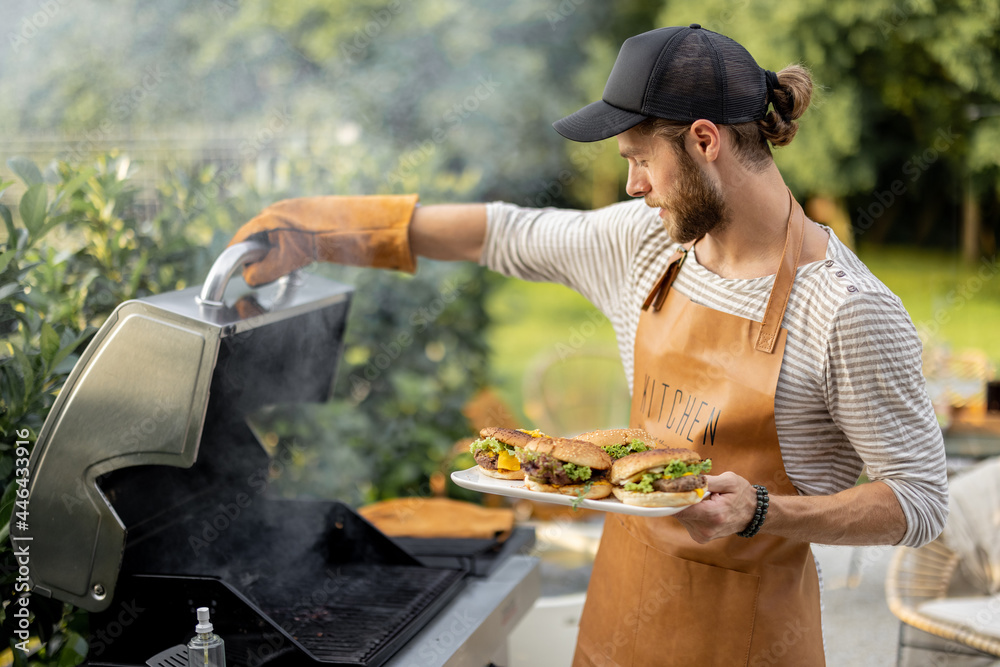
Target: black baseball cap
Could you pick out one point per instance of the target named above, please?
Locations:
(680, 73)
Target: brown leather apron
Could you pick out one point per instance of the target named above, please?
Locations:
(705, 380)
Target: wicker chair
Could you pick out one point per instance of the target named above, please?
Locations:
(926, 587)
(569, 392)
(916, 576)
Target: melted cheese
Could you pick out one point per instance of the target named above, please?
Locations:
(506, 461)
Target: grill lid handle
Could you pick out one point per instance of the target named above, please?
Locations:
(232, 258)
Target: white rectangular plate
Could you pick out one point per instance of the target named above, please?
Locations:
(514, 488)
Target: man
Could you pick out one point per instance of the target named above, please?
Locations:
(749, 334)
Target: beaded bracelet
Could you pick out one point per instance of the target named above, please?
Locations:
(759, 514)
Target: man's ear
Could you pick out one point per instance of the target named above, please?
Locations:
(705, 138)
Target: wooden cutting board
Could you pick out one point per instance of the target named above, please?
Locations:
(438, 517)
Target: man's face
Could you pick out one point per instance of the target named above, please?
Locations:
(691, 205)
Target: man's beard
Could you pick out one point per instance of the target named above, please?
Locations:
(694, 205)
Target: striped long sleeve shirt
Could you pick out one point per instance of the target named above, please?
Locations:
(850, 392)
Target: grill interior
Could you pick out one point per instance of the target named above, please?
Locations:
(368, 607)
(327, 589)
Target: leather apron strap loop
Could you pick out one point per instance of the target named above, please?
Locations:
(783, 279)
(661, 287)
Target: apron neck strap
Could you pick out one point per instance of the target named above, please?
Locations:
(783, 279)
(658, 294)
(780, 292)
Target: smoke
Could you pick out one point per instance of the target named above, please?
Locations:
(363, 85)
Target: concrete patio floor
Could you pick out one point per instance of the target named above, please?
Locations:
(858, 628)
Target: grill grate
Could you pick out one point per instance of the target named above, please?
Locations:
(367, 607)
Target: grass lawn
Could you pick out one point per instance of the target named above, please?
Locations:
(953, 305)
(533, 322)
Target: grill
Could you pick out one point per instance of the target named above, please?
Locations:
(150, 492)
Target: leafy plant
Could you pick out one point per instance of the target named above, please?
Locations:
(55, 290)
(40, 340)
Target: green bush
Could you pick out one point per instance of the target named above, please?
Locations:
(81, 244)
(76, 251)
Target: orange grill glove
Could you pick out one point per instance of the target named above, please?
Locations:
(359, 231)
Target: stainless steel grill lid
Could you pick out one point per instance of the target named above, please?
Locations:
(139, 396)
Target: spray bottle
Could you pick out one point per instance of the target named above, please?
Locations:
(206, 649)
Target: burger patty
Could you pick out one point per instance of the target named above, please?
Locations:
(486, 459)
(680, 484)
(549, 470)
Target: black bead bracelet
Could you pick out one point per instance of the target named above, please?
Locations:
(759, 514)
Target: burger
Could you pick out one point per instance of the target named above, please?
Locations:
(619, 442)
(660, 478)
(495, 451)
(570, 467)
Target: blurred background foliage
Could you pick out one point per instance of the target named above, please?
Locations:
(909, 93)
(455, 98)
(150, 131)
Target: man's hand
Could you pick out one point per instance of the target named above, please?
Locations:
(358, 231)
(863, 514)
(728, 510)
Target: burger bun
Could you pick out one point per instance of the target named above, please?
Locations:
(577, 452)
(628, 466)
(597, 490)
(656, 498)
(502, 474)
(621, 436)
(507, 436)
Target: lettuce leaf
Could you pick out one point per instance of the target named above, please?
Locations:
(678, 469)
(671, 471)
(618, 451)
(644, 485)
(577, 473)
(495, 446)
(489, 444)
(523, 455)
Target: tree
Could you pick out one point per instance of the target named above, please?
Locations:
(899, 129)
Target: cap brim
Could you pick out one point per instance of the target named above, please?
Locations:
(597, 121)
